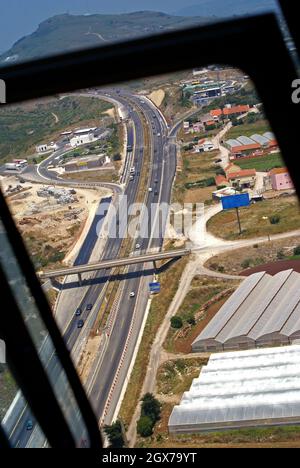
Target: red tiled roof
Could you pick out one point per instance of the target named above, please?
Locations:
(242, 173)
(221, 180)
(230, 110)
(236, 110)
(279, 170)
(238, 149)
(216, 112)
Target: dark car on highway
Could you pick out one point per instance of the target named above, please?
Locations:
(29, 425)
(78, 312)
(89, 307)
(80, 324)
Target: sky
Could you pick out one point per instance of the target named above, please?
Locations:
(21, 17)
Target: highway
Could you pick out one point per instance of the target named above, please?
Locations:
(130, 315)
(163, 170)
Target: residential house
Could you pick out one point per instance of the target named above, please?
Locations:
(280, 179)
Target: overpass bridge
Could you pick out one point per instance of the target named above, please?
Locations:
(107, 264)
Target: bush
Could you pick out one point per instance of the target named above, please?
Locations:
(220, 171)
(145, 426)
(176, 322)
(275, 219)
(191, 321)
(280, 255)
(246, 263)
(297, 250)
(114, 434)
(151, 407)
(255, 246)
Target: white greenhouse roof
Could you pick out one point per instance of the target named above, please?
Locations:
(262, 305)
(242, 389)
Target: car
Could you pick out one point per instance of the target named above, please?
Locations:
(89, 307)
(80, 324)
(156, 192)
(78, 312)
(132, 294)
(137, 246)
(150, 189)
(131, 177)
(29, 425)
(156, 181)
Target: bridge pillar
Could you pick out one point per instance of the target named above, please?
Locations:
(80, 279)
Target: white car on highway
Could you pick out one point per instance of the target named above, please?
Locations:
(132, 294)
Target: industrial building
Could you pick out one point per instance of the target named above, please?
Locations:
(84, 164)
(244, 145)
(242, 389)
(263, 311)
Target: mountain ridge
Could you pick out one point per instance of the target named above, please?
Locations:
(65, 32)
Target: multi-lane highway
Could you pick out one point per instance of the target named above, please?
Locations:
(130, 312)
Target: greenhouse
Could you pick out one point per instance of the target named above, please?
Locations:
(260, 387)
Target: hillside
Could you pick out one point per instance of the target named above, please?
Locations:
(68, 32)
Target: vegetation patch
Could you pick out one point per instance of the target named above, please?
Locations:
(274, 216)
(199, 306)
(23, 127)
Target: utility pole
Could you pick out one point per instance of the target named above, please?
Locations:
(239, 220)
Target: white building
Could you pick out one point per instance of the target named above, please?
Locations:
(45, 148)
(205, 147)
(83, 136)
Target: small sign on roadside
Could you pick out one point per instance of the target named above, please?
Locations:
(154, 288)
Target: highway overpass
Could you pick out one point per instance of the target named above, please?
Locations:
(107, 264)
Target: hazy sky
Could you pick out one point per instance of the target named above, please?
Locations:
(21, 17)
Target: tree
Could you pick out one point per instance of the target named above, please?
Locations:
(151, 407)
(114, 434)
(275, 219)
(297, 250)
(145, 426)
(117, 157)
(246, 263)
(176, 322)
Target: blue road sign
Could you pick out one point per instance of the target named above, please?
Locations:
(235, 201)
(154, 288)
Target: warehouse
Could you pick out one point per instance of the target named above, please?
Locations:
(242, 389)
(263, 311)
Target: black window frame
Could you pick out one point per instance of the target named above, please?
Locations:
(245, 43)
